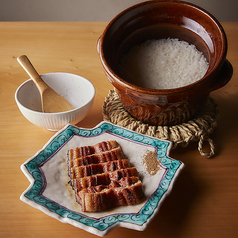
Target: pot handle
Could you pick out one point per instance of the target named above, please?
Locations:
(223, 77)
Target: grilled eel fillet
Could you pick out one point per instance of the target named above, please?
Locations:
(90, 150)
(92, 169)
(102, 177)
(111, 155)
(103, 197)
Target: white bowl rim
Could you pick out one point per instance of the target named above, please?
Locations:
(55, 113)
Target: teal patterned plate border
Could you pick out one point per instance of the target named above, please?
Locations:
(40, 195)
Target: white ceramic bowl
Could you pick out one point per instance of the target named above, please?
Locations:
(77, 90)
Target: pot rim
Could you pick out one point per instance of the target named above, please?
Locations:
(131, 87)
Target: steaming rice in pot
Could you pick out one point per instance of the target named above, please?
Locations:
(163, 64)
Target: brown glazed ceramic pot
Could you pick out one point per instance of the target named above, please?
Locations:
(163, 19)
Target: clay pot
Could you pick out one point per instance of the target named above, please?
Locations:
(156, 20)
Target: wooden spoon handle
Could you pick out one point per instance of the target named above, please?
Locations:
(29, 68)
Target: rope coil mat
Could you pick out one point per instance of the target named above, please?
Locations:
(196, 129)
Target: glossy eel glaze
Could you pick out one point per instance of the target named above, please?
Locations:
(102, 177)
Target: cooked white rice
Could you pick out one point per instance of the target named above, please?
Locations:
(163, 64)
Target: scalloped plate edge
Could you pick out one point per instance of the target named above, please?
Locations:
(93, 230)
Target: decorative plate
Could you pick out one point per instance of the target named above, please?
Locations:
(50, 192)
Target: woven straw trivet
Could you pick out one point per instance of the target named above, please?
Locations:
(196, 129)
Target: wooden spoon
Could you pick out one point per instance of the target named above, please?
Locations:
(51, 101)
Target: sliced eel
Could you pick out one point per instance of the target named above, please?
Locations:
(114, 154)
(94, 149)
(92, 201)
(103, 179)
(92, 169)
